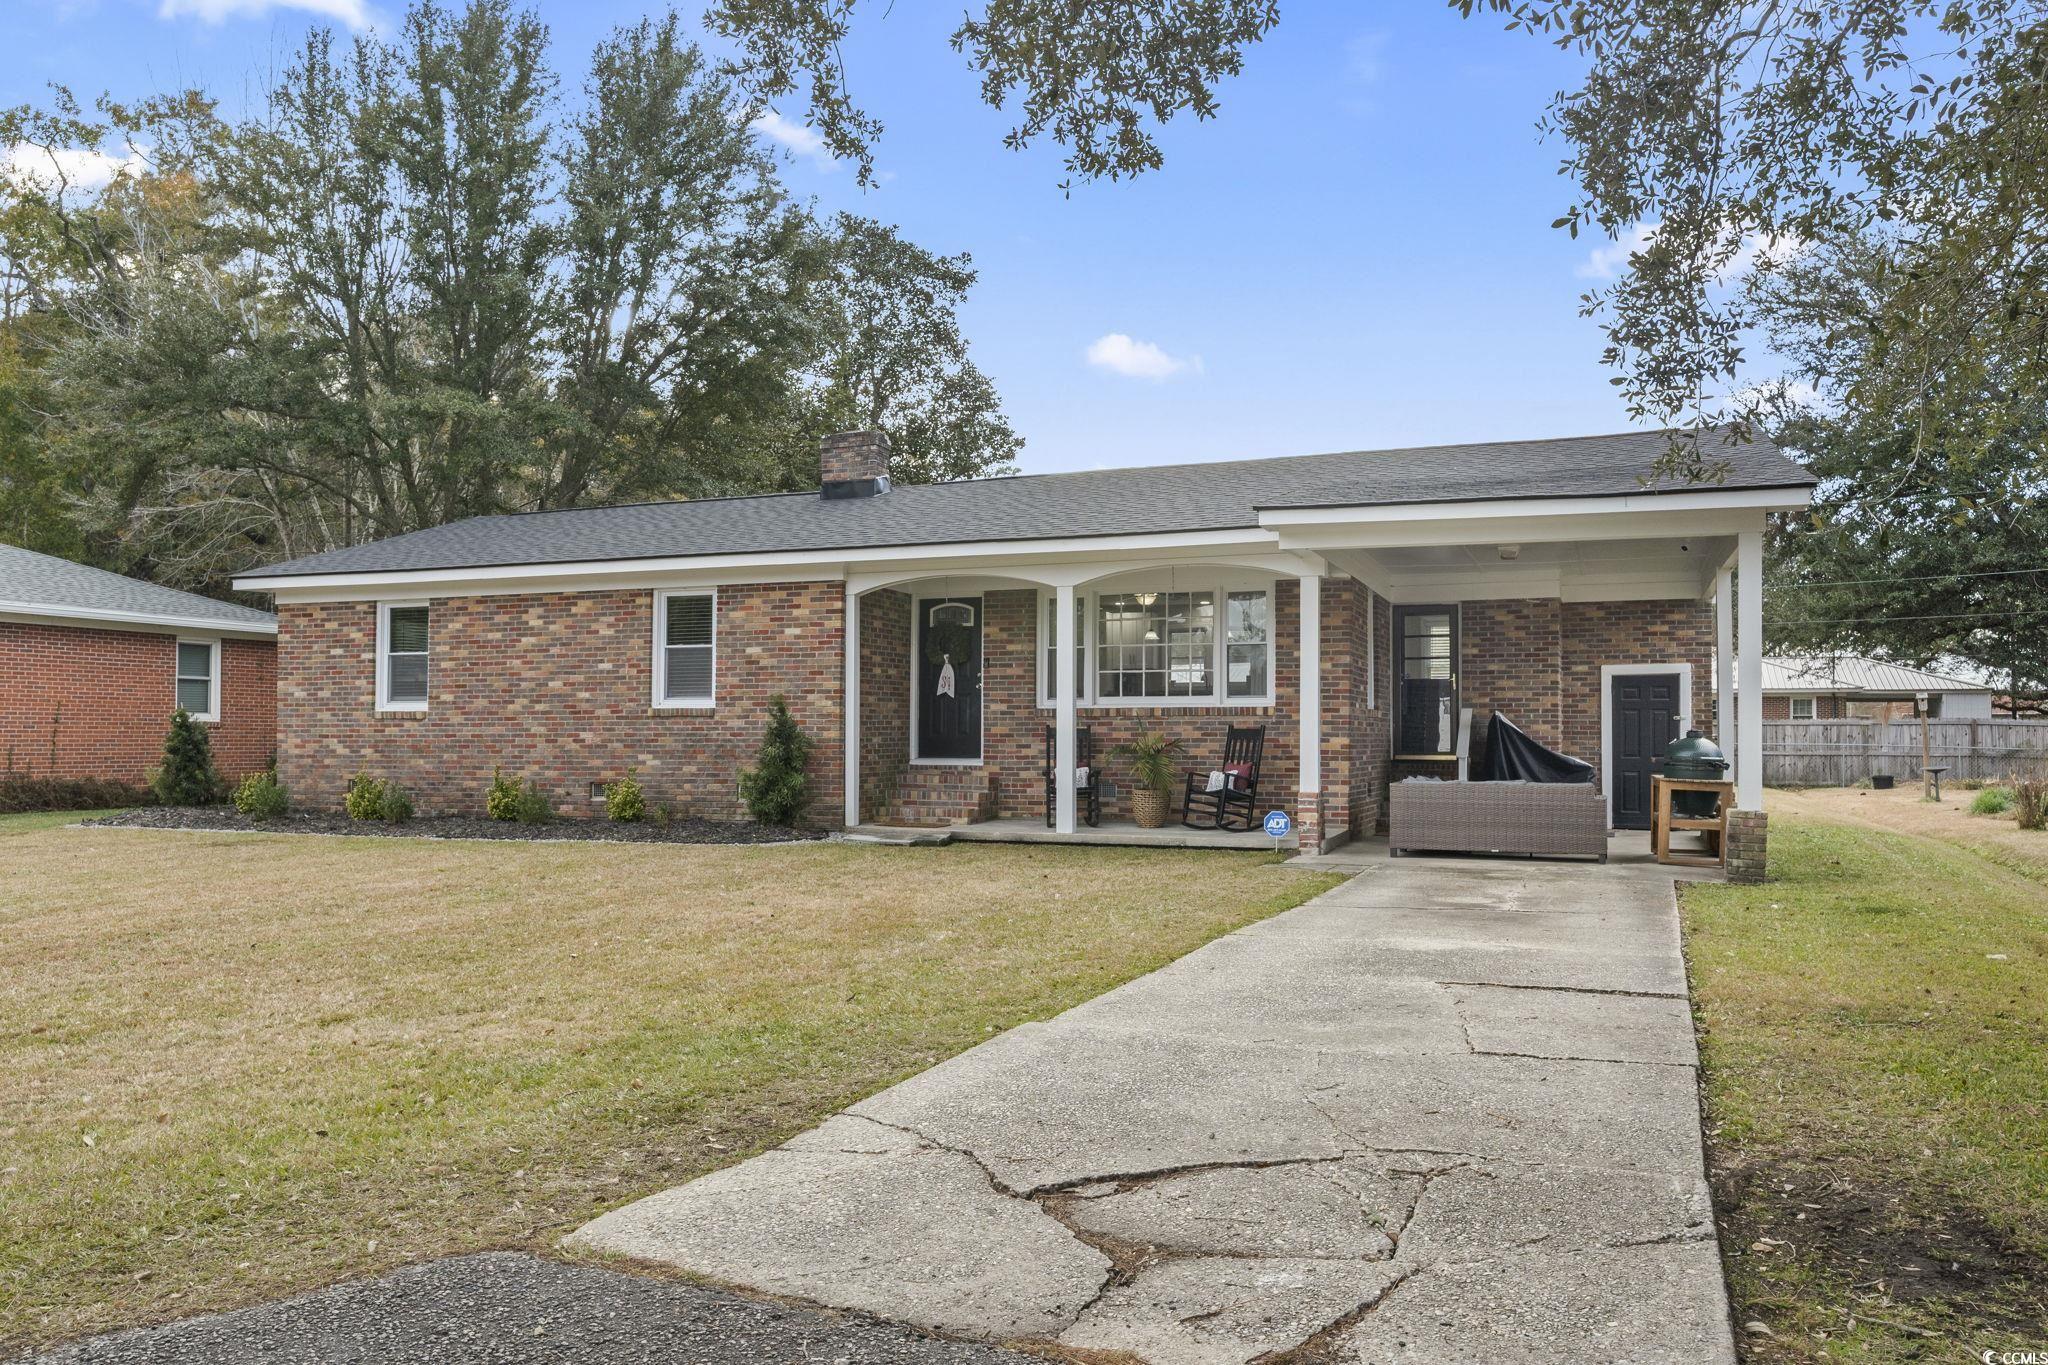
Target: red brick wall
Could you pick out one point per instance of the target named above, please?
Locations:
(1371, 744)
(1598, 633)
(557, 687)
(884, 697)
(1512, 653)
(1013, 724)
(84, 702)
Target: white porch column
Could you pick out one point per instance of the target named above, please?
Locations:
(1309, 815)
(851, 706)
(1062, 685)
(1749, 724)
(1724, 660)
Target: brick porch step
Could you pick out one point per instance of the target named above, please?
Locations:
(933, 798)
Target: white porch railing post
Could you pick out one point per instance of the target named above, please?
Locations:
(850, 710)
(1749, 723)
(1309, 815)
(1724, 660)
(1062, 685)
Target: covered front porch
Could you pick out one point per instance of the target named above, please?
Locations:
(1343, 635)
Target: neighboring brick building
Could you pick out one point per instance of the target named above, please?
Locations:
(92, 666)
(1526, 579)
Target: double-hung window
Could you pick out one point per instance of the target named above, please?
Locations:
(198, 679)
(403, 637)
(1139, 646)
(1802, 708)
(685, 648)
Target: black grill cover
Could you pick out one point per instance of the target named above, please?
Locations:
(1512, 756)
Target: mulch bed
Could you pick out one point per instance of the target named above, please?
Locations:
(226, 819)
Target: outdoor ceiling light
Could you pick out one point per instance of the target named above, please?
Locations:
(1510, 552)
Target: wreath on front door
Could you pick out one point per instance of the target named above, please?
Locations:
(946, 640)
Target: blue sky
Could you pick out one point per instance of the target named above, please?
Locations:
(1356, 253)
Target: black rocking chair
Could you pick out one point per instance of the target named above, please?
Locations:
(1087, 796)
(1236, 804)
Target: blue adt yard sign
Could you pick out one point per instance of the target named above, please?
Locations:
(1277, 824)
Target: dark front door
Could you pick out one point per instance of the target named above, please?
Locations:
(1644, 713)
(949, 678)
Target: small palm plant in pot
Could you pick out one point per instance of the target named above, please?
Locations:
(1152, 772)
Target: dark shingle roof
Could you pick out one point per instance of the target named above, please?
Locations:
(46, 585)
(1224, 495)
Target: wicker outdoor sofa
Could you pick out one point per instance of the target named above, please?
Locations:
(1539, 818)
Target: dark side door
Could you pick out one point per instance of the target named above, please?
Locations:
(949, 717)
(1644, 710)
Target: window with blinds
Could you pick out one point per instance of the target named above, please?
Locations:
(196, 685)
(407, 631)
(687, 663)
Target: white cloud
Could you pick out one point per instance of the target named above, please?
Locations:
(801, 139)
(354, 13)
(77, 168)
(1608, 262)
(1364, 57)
(1120, 354)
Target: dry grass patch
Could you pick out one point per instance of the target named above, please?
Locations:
(240, 1065)
(1906, 811)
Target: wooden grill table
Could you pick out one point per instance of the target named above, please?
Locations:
(1715, 827)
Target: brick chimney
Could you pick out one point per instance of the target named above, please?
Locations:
(854, 464)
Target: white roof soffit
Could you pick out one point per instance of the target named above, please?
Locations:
(1708, 512)
(106, 618)
(800, 566)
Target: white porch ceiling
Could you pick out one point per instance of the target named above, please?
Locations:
(1634, 569)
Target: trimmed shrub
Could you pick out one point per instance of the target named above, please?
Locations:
(186, 777)
(532, 806)
(23, 793)
(1992, 801)
(624, 801)
(776, 790)
(501, 802)
(394, 807)
(365, 799)
(261, 796)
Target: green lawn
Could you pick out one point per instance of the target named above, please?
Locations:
(1875, 1038)
(241, 1065)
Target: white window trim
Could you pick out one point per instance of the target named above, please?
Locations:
(384, 701)
(213, 688)
(1792, 706)
(1219, 659)
(660, 640)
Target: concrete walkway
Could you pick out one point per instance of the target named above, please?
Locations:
(1446, 1112)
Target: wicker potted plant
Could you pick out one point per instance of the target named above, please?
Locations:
(1152, 772)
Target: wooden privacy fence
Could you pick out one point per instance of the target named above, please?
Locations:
(1842, 753)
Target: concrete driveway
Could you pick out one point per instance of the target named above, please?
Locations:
(1446, 1112)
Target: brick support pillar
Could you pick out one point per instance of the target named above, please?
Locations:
(1747, 838)
(1308, 814)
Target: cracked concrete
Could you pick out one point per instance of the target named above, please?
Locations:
(1446, 1112)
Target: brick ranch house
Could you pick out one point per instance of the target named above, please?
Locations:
(1349, 603)
(93, 664)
